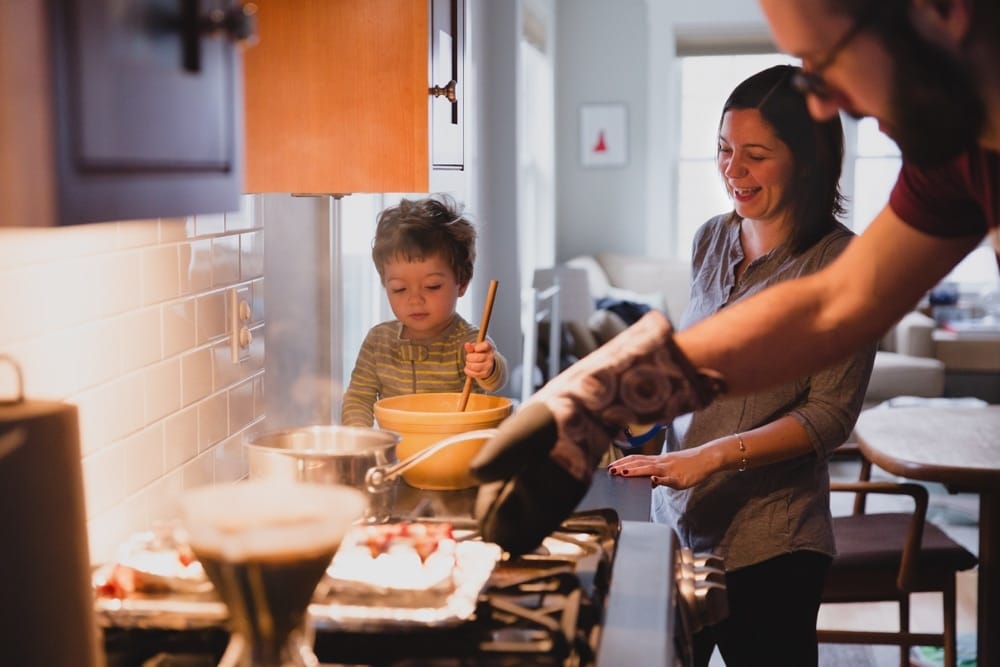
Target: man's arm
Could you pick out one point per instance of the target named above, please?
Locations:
(803, 325)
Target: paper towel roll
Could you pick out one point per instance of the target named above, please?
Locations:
(46, 602)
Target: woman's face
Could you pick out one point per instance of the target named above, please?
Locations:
(756, 166)
(422, 295)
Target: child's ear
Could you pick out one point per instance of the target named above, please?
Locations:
(462, 288)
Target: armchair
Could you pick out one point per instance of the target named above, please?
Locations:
(905, 364)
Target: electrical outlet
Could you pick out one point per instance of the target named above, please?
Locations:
(239, 323)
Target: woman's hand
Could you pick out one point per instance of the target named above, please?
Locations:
(679, 470)
(479, 359)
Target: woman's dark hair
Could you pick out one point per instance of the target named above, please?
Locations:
(817, 148)
(415, 230)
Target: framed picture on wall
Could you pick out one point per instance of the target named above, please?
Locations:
(603, 135)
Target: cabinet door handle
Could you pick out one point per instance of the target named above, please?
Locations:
(236, 23)
(447, 91)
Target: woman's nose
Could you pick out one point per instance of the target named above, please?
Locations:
(732, 167)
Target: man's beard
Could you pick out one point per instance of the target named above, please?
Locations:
(938, 112)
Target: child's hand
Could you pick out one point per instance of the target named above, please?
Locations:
(479, 359)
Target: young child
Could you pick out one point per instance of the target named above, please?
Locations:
(424, 252)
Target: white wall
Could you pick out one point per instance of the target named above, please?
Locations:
(625, 51)
(601, 57)
(497, 193)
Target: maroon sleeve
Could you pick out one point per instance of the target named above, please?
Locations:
(939, 200)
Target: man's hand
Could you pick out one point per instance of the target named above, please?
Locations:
(540, 463)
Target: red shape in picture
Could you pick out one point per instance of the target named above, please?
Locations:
(600, 146)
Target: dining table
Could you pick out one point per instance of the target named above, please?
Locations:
(958, 447)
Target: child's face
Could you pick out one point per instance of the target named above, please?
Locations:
(422, 295)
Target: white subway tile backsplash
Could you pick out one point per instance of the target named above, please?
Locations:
(229, 459)
(141, 334)
(225, 372)
(241, 412)
(92, 420)
(138, 233)
(196, 376)
(257, 302)
(200, 471)
(225, 260)
(196, 266)
(121, 285)
(243, 219)
(162, 496)
(179, 326)
(212, 320)
(160, 274)
(104, 479)
(93, 353)
(75, 296)
(143, 458)
(128, 322)
(258, 396)
(213, 420)
(18, 296)
(163, 389)
(208, 225)
(125, 404)
(180, 437)
(251, 255)
(173, 230)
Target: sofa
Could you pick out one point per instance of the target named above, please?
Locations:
(905, 363)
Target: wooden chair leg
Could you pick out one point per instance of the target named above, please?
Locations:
(950, 632)
(904, 627)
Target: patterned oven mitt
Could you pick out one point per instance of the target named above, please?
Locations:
(540, 464)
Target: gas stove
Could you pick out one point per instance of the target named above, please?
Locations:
(543, 608)
(601, 591)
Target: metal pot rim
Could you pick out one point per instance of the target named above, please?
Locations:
(384, 439)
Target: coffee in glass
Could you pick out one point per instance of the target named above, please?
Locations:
(265, 546)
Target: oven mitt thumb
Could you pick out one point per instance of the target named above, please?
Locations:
(539, 465)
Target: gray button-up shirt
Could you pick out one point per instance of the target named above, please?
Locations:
(748, 517)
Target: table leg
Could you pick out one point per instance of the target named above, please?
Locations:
(988, 600)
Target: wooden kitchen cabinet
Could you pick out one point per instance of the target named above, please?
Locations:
(338, 95)
(107, 116)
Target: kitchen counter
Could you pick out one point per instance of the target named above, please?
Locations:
(629, 497)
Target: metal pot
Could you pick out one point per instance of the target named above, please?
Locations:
(363, 458)
(326, 454)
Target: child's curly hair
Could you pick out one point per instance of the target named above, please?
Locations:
(415, 230)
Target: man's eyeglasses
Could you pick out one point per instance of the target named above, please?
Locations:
(811, 81)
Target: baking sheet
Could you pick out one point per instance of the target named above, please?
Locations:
(475, 561)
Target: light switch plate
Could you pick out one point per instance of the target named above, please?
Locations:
(240, 310)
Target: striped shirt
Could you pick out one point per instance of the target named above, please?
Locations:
(389, 365)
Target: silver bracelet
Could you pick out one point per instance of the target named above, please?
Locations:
(744, 461)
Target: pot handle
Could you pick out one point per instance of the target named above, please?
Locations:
(378, 477)
(18, 378)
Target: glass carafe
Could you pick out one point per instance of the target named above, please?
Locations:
(265, 546)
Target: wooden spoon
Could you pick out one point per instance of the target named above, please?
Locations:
(487, 311)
